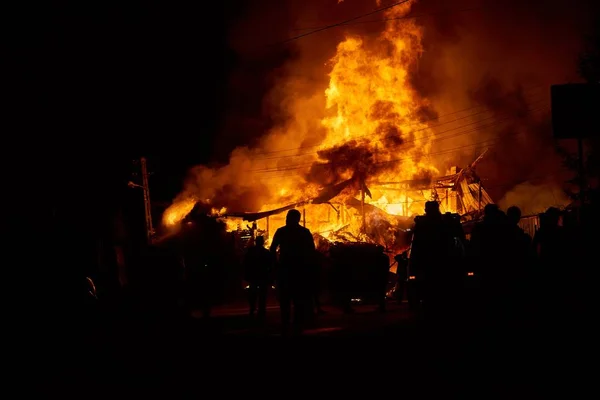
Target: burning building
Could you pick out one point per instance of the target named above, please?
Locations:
(360, 148)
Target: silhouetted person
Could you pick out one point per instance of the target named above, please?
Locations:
(549, 241)
(522, 239)
(430, 257)
(456, 266)
(551, 246)
(296, 255)
(491, 257)
(258, 263)
(522, 259)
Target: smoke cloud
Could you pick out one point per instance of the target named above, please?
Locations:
(503, 57)
(485, 69)
(534, 198)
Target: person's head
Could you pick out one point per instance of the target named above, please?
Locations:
(432, 207)
(260, 241)
(293, 217)
(552, 216)
(514, 214)
(491, 212)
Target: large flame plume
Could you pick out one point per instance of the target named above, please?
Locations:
(373, 121)
(373, 126)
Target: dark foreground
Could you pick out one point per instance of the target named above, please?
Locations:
(363, 354)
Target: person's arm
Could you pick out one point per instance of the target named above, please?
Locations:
(275, 244)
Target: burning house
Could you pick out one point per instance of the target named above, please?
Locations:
(359, 147)
(346, 212)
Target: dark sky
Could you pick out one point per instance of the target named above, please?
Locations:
(93, 85)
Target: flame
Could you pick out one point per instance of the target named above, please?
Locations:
(177, 211)
(373, 126)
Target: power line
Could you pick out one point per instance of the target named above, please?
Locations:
(447, 151)
(413, 131)
(528, 90)
(488, 142)
(423, 15)
(398, 18)
(342, 22)
(476, 128)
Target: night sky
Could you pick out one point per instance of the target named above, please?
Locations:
(93, 87)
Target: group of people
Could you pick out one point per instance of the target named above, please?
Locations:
(511, 265)
(514, 269)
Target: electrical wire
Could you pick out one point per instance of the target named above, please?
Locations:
(476, 128)
(529, 90)
(345, 22)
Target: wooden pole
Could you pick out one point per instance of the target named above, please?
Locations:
(304, 217)
(147, 204)
(362, 202)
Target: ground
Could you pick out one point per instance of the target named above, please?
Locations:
(394, 351)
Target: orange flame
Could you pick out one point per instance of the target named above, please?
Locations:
(372, 125)
(176, 212)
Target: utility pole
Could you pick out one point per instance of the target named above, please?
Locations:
(362, 204)
(147, 204)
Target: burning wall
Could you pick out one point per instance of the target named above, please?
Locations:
(393, 100)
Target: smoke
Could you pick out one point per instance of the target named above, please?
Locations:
(502, 57)
(534, 198)
(495, 61)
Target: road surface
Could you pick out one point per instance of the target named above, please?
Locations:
(228, 352)
(235, 321)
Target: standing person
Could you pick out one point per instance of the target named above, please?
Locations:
(296, 257)
(430, 255)
(257, 263)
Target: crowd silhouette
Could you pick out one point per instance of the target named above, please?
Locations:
(490, 273)
(521, 280)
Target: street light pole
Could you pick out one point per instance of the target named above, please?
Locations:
(147, 204)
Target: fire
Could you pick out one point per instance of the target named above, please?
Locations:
(375, 130)
(178, 211)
